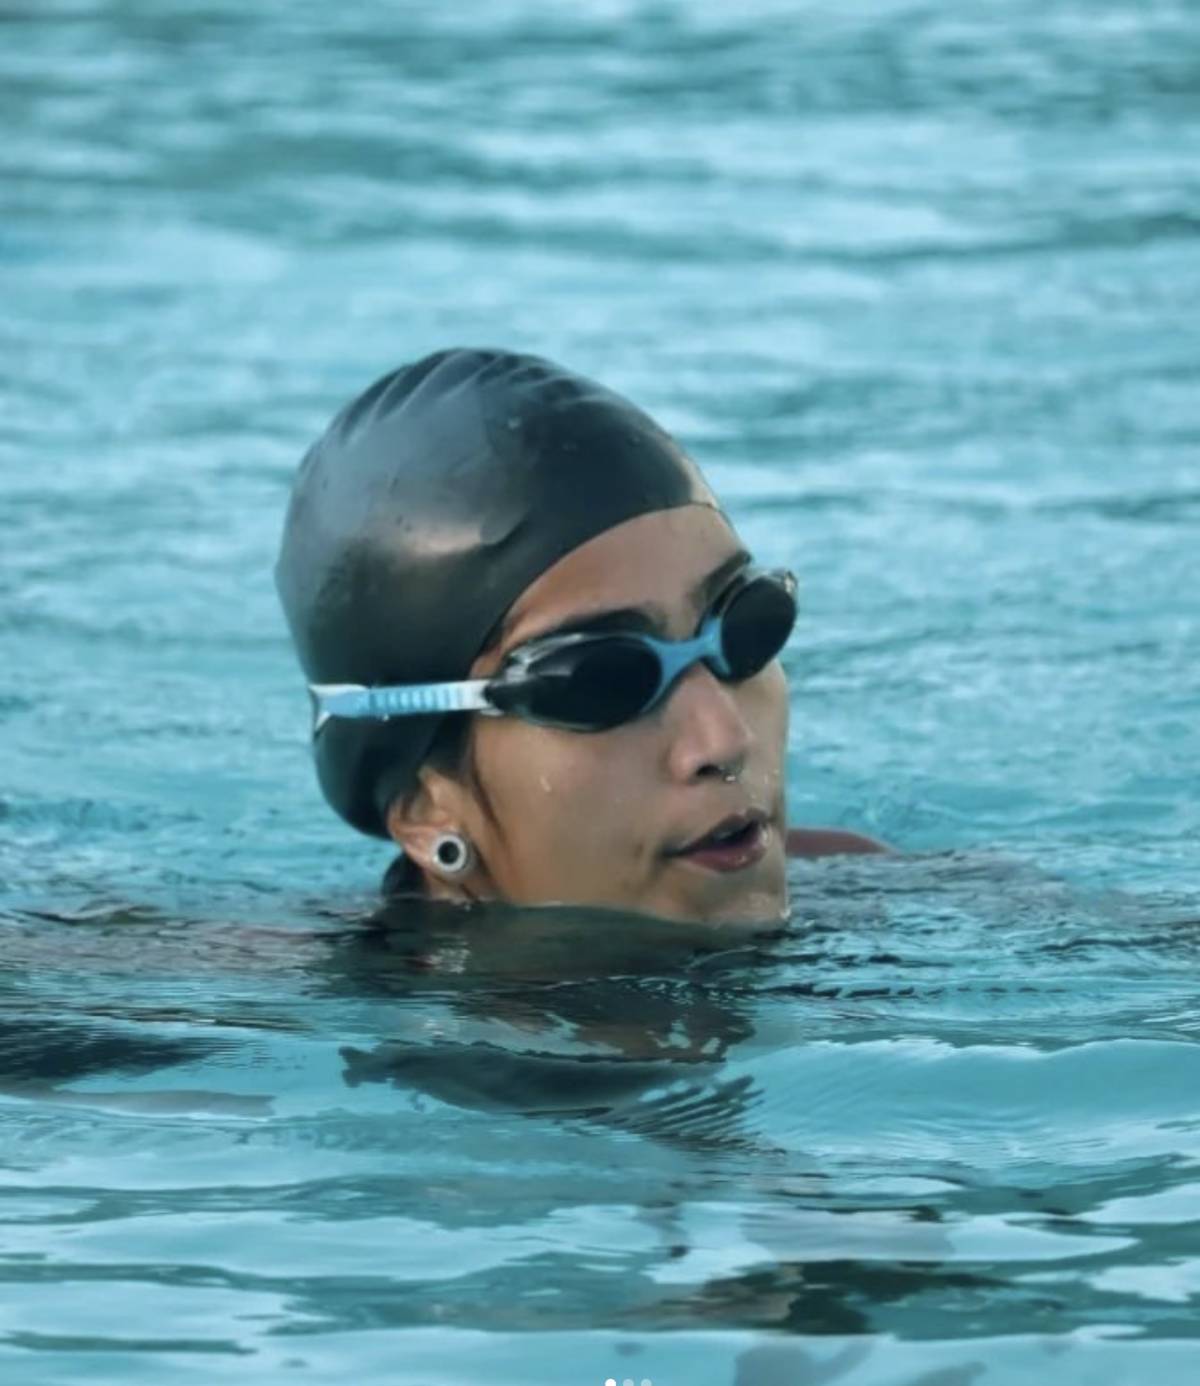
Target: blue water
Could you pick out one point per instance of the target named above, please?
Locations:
(919, 285)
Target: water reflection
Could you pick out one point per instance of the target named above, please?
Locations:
(895, 1116)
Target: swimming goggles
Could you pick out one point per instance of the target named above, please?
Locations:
(593, 681)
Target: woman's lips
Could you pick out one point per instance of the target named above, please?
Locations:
(734, 853)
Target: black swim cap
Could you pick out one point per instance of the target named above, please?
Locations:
(426, 509)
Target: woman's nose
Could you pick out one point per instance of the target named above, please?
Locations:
(708, 735)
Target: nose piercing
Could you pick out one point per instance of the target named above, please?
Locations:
(729, 776)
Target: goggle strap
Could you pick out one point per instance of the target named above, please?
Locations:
(358, 702)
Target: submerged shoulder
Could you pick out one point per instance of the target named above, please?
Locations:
(827, 842)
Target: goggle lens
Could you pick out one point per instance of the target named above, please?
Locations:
(756, 625)
(594, 686)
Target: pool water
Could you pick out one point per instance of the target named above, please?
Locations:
(918, 285)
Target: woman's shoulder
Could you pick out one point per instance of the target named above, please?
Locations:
(828, 842)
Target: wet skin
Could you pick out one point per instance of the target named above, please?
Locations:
(594, 818)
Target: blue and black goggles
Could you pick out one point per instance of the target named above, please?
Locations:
(593, 681)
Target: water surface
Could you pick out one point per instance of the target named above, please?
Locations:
(919, 288)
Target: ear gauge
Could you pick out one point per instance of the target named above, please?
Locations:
(453, 855)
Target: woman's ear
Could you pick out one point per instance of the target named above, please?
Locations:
(418, 821)
(426, 809)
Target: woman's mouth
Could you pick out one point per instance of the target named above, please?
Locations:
(732, 845)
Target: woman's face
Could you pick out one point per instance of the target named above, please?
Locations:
(600, 818)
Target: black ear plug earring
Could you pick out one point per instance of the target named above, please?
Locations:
(453, 855)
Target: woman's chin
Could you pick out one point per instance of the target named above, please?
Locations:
(757, 906)
(756, 896)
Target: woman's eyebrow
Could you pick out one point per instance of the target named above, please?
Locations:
(708, 588)
(650, 618)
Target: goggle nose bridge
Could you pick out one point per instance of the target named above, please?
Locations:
(678, 656)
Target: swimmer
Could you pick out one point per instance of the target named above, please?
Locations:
(541, 660)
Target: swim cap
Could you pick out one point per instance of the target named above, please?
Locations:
(428, 506)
